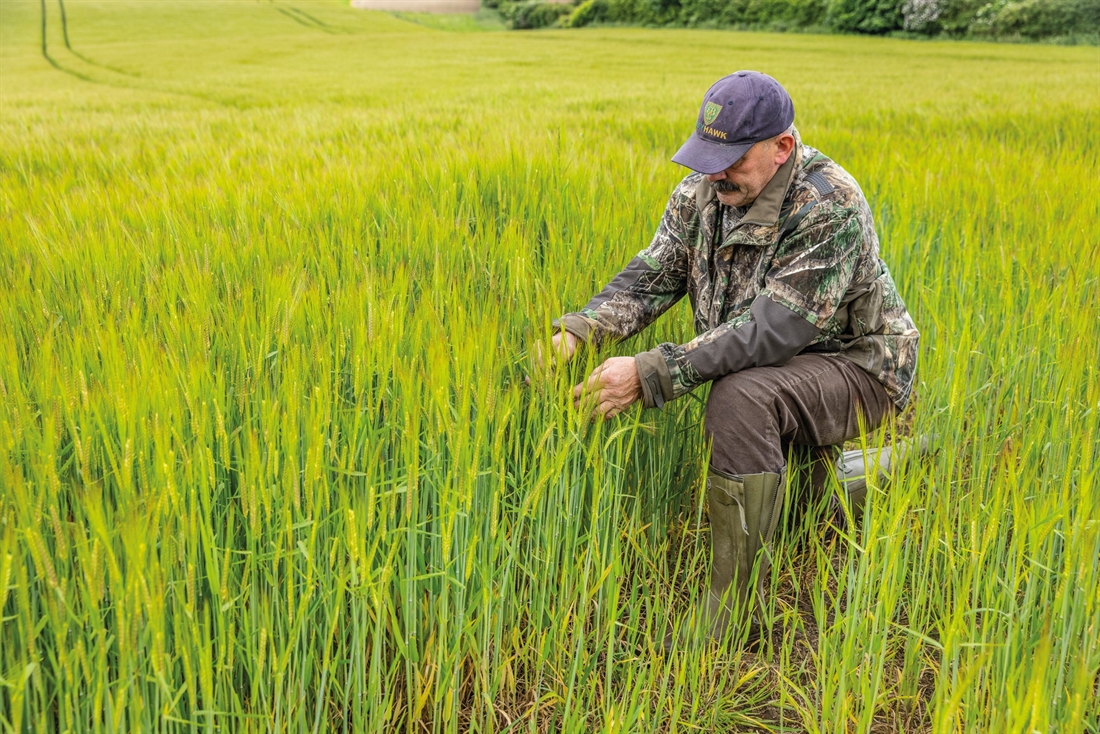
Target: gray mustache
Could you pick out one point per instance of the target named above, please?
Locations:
(725, 186)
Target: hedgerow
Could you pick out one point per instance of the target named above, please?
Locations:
(1065, 21)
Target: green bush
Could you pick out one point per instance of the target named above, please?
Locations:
(874, 17)
(802, 13)
(638, 12)
(588, 12)
(1034, 19)
(703, 13)
(954, 17)
(712, 12)
(532, 14)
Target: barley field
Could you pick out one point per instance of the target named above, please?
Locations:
(272, 273)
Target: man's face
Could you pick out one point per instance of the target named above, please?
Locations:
(741, 183)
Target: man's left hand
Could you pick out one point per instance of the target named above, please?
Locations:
(612, 387)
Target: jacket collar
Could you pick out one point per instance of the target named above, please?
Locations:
(765, 210)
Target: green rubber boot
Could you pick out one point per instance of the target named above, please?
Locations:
(744, 512)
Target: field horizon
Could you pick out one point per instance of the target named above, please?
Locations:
(272, 273)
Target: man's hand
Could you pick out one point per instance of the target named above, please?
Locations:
(612, 387)
(563, 346)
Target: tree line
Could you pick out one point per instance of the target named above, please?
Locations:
(1065, 21)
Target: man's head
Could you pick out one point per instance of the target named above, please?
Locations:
(742, 137)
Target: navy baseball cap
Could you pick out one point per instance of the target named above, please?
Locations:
(739, 110)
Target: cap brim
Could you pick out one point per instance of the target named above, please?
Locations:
(704, 156)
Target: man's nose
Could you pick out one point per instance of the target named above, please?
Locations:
(712, 177)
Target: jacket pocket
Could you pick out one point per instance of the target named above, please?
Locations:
(860, 313)
(865, 310)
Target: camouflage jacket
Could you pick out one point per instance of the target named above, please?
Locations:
(797, 271)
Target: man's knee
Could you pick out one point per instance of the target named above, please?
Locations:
(738, 402)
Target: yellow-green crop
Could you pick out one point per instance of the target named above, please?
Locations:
(270, 272)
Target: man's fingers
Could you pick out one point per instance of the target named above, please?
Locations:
(606, 389)
(614, 391)
(583, 396)
(595, 380)
(594, 384)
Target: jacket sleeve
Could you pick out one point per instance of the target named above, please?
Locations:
(650, 284)
(810, 273)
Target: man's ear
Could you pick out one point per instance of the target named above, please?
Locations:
(784, 146)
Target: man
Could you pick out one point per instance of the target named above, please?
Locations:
(799, 325)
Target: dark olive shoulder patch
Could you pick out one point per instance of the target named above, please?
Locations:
(817, 179)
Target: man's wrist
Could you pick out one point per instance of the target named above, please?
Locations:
(654, 377)
(579, 326)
